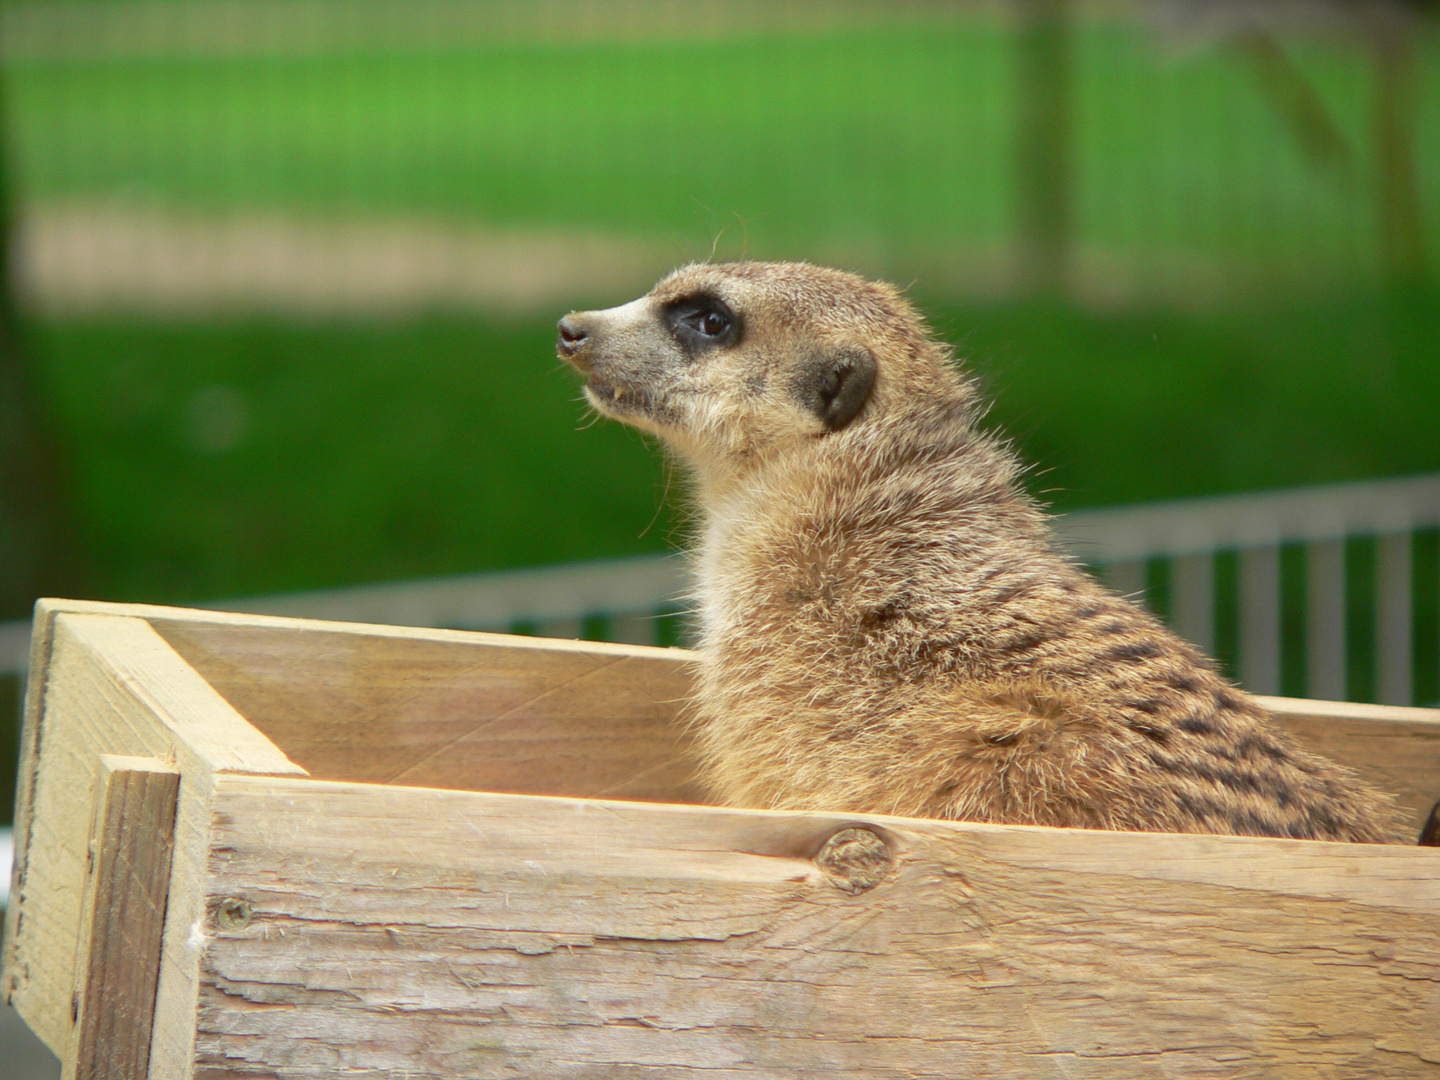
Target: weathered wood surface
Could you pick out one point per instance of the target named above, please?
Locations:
(107, 684)
(126, 890)
(480, 712)
(418, 933)
(349, 930)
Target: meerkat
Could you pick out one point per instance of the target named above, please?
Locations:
(886, 622)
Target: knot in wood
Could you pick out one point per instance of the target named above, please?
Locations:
(233, 914)
(855, 859)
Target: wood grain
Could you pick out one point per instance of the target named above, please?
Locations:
(319, 928)
(126, 893)
(483, 712)
(448, 934)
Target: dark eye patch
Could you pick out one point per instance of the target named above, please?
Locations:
(702, 322)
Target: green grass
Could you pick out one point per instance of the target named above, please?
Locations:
(640, 137)
(891, 137)
(224, 460)
(1137, 406)
(334, 454)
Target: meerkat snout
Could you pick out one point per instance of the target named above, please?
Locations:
(572, 336)
(886, 624)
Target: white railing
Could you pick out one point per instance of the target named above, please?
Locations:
(636, 600)
(1190, 534)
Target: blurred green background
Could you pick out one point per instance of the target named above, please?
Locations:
(280, 305)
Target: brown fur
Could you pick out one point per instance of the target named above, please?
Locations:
(886, 624)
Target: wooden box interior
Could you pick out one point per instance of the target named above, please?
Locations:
(489, 712)
(478, 712)
(358, 882)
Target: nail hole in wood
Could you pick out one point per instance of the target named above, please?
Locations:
(855, 859)
(233, 914)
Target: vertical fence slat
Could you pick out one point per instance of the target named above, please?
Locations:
(1394, 615)
(1127, 578)
(1260, 620)
(558, 628)
(1192, 592)
(1325, 620)
(633, 629)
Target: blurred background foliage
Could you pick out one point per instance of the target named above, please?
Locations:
(284, 273)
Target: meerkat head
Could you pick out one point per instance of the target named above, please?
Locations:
(733, 363)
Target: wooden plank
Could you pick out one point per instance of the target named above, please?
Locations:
(27, 766)
(451, 710)
(127, 888)
(437, 934)
(1260, 620)
(1397, 749)
(559, 691)
(1325, 669)
(110, 685)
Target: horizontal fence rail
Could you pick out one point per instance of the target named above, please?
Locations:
(635, 600)
(1327, 576)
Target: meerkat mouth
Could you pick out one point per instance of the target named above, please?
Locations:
(630, 405)
(616, 396)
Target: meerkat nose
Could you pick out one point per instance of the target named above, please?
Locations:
(573, 337)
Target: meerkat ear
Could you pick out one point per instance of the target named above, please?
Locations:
(836, 383)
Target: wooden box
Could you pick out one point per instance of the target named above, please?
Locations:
(259, 847)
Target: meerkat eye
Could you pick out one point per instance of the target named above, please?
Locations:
(708, 322)
(712, 323)
(703, 322)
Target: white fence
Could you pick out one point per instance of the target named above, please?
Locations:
(1189, 535)
(637, 600)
